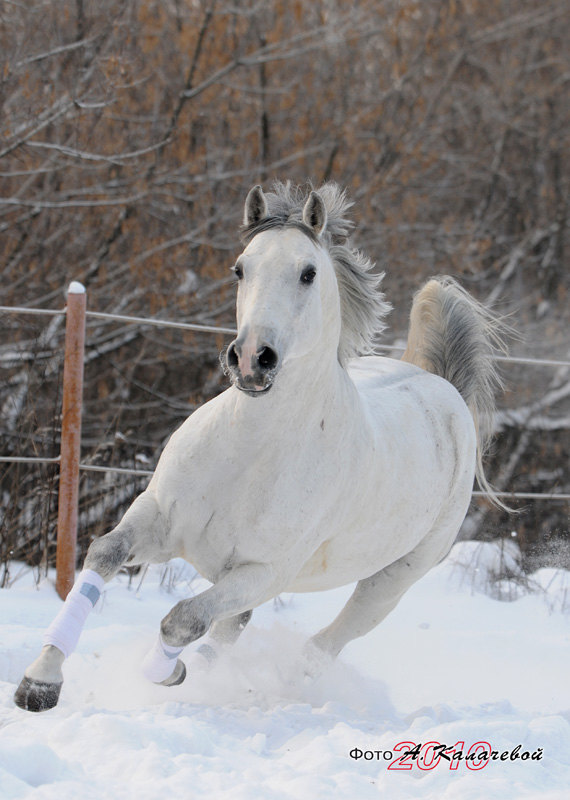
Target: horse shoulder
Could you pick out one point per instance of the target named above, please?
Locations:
(196, 437)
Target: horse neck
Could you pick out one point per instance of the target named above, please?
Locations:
(309, 390)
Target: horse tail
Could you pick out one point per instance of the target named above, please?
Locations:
(455, 337)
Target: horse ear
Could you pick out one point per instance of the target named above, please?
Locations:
(315, 213)
(255, 207)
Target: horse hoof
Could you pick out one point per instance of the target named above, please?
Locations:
(314, 661)
(34, 695)
(177, 676)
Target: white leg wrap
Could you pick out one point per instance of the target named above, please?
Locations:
(66, 628)
(159, 663)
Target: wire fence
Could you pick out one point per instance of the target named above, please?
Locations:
(148, 473)
(196, 327)
(193, 326)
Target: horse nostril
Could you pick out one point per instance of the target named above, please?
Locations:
(232, 356)
(267, 358)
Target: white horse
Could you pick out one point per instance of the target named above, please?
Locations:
(321, 465)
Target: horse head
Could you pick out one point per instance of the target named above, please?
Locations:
(287, 299)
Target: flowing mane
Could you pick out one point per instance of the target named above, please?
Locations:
(363, 307)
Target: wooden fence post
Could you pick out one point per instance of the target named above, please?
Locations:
(70, 439)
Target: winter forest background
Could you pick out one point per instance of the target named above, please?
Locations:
(130, 132)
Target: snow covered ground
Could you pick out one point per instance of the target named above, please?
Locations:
(450, 666)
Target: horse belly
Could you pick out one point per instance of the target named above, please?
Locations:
(336, 562)
(402, 507)
(359, 552)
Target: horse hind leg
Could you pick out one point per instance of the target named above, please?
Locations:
(227, 631)
(223, 633)
(372, 600)
(138, 538)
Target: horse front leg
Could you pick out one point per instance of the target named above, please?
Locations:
(225, 608)
(136, 539)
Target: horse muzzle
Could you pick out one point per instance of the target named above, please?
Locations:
(251, 371)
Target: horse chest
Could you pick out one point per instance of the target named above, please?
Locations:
(231, 504)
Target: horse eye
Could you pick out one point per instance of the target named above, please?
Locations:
(238, 271)
(308, 275)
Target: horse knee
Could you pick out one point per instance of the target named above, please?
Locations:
(108, 554)
(184, 624)
(139, 537)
